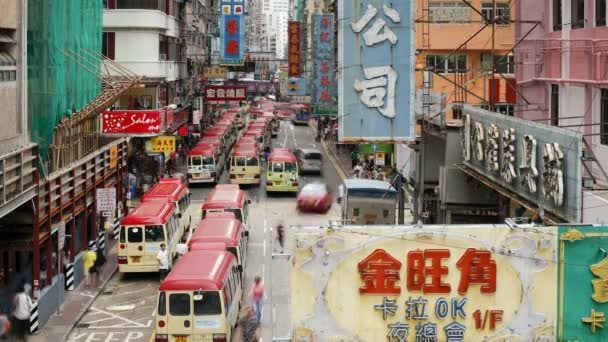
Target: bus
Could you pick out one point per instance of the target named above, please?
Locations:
(282, 172)
(258, 135)
(264, 126)
(176, 192)
(254, 114)
(223, 230)
(302, 114)
(367, 201)
(200, 299)
(205, 164)
(142, 232)
(245, 165)
(222, 132)
(246, 142)
(228, 198)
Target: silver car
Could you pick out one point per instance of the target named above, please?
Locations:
(309, 160)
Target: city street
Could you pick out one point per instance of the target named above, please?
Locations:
(125, 309)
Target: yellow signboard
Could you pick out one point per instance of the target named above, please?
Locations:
(432, 284)
(163, 144)
(215, 72)
(113, 156)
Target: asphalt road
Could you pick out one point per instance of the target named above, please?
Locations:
(125, 309)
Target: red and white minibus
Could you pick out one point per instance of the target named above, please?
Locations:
(142, 232)
(176, 192)
(221, 230)
(245, 165)
(282, 174)
(205, 164)
(200, 299)
(228, 198)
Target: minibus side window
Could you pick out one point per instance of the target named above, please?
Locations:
(155, 234)
(123, 234)
(183, 203)
(135, 234)
(179, 304)
(228, 292)
(209, 305)
(240, 161)
(233, 251)
(162, 304)
(235, 273)
(204, 213)
(245, 210)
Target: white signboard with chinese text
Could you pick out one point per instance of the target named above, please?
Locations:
(106, 199)
(538, 162)
(376, 71)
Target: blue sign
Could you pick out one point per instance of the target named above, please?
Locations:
(374, 148)
(232, 49)
(376, 61)
(322, 81)
(296, 86)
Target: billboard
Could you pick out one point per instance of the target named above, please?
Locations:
(215, 72)
(294, 48)
(323, 80)
(295, 86)
(465, 283)
(232, 29)
(538, 162)
(224, 94)
(133, 122)
(376, 62)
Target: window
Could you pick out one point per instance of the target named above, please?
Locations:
(135, 234)
(600, 13)
(162, 304)
(554, 105)
(240, 161)
(449, 12)
(577, 13)
(504, 108)
(604, 118)
(155, 234)
(503, 12)
(457, 110)
(237, 213)
(457, 63)
(252, 161)
(139, 4)
(196, 161)
(123, 234)
(505, 64)
(557, 15)
(209, 305)
(233, 251)
(290, 167)
(277, 167)
(108, 44)
(179, 304)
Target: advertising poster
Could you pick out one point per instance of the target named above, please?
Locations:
(294, 48)
(232, 30)
(323, 60)
(376, 65)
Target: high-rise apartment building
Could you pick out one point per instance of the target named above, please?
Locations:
(276, 17)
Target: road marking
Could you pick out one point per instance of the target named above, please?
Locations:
(154, 312)
(263, 271)
(126, 321)
(122, 307)
(264, 247)
(86, 294)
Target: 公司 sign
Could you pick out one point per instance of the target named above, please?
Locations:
(132, 122)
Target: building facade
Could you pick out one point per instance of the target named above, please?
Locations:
(201, 28)
(276, 16)
(157, 29)
(562, 78)
(450, 40)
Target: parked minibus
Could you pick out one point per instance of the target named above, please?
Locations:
(221, 230)
(200, 299)
(222, 132)
(176, 192)
(245, 165)
(205, 164)
(255, 113)
(246, 142)
(142, 232)
(228, 198)
(230, 125)
(258, 135)
(282, 172)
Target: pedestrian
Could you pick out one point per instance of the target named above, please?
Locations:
(89, 263)
(100, 260)
(5, 327)
(257, 294)
(354, 158)
(23, 306)
(248, 325)
(280, 235)
(163, 261)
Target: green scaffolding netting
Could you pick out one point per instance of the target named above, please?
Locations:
(57, 85)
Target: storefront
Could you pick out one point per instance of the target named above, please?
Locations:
(380, 154)
(465, 283)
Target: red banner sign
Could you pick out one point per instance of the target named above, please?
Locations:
(132, 122)
(223, 94)
(294, 49)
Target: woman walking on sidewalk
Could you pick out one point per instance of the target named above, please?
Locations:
(257, 294)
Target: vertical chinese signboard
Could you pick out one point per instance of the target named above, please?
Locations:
(583, 284)
(232, 30)
(323, 62)
(456, 284)
(376, 62)
(294, 49)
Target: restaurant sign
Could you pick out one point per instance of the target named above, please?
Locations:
(224, 94)
(294, 49)
(437, 284)
(133, 122)
(538, 162)
(215, 72)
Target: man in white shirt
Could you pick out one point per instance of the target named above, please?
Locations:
(163, 261)
(23, 306)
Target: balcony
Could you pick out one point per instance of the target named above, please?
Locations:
(140, 19)
(166, 70)
(17, 177)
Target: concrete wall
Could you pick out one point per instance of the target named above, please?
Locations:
(50, 297)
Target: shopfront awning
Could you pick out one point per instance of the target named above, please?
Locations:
(550, 217)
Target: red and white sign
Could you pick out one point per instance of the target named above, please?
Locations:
(223, 94)
(132, 122)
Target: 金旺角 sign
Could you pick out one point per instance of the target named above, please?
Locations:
(223, 94)
(132, 122)
(106, 199)
(215, 72)
(294, 49)
(401, 283)
(376, 64)
(322, 59)
(162, 144)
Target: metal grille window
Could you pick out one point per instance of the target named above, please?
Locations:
(577, 13)
(604, 118)
(449, 12)
(457, 63)
(557, 15)
(600, 13)
(504, 64)
(502, 15)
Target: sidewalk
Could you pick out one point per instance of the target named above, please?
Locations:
(341, 158)
(76, 303)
